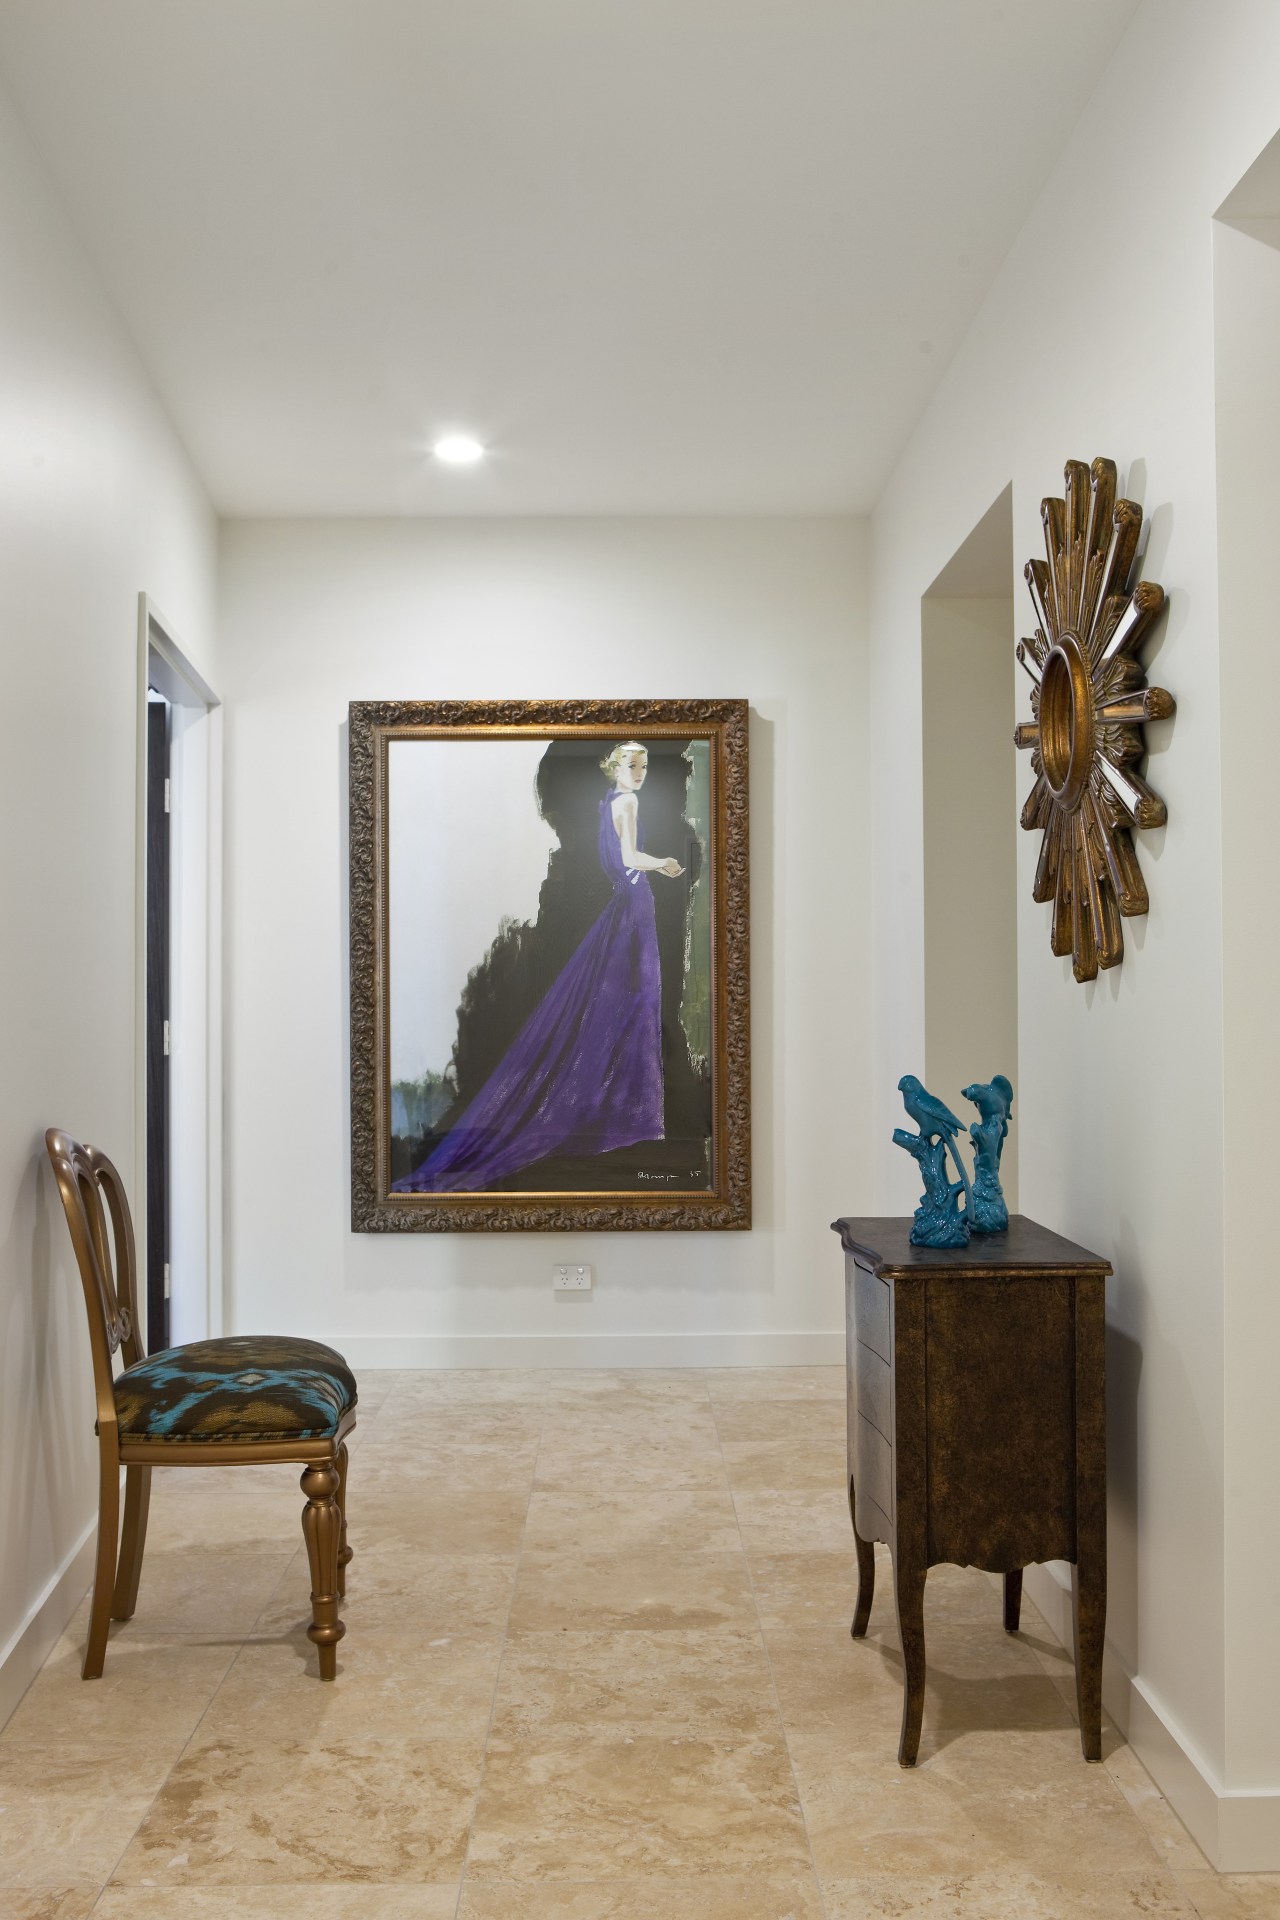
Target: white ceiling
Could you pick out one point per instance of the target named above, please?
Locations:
(664, 255)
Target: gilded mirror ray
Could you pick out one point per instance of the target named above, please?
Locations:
(1089, 699)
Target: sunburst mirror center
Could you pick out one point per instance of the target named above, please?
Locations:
(1089, 699)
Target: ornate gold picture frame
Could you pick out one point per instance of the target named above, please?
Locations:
(550, 988)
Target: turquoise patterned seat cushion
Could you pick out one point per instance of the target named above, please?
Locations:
(248, 1387)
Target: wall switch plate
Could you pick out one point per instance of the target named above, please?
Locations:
(571, 1278)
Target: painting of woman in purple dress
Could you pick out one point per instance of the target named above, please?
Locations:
(549, 965)
(585, 1072)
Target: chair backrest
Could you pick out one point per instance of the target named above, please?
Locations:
(85, 1178)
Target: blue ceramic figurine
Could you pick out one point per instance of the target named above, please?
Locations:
(938, 1221)
(986, 1206)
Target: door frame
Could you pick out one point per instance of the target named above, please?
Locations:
(196, 823)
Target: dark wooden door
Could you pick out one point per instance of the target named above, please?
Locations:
(157, 1026)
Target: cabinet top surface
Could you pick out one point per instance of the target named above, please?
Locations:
(884, 1246)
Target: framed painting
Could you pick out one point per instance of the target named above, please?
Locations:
(550, 994)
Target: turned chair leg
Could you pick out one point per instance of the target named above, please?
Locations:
(137, 1501)
(345, 1555)
(322, 1528)
(104, 1572)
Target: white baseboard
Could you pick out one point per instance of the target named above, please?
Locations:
(46, 1621)
(1238, 1832)
(595, 1349)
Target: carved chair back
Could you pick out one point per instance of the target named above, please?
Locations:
(108, 1265)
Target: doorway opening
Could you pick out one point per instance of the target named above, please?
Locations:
(178, 1124)
(969, 672)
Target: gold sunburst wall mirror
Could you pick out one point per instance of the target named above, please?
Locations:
(1089, 699)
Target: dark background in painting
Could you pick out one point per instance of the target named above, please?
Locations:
(525, 959)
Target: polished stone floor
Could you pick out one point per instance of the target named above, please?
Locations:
(597, 1667)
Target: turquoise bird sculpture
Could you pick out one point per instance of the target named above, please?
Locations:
(928, 1112)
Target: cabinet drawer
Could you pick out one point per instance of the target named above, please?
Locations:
(873, 1467)
(871, 1311)
(875, 1389)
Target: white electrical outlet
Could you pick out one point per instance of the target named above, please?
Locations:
(571, 1278)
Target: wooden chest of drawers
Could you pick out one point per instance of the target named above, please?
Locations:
(977, 1427)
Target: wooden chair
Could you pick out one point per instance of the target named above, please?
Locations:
(231, 1402)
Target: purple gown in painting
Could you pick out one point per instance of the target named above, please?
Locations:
(584, 1073)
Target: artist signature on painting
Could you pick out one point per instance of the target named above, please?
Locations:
(691, 1175)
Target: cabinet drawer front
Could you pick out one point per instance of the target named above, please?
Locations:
(871, 1306)
(873, 1467)
(875, 1389)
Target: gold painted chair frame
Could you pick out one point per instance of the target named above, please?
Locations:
(85, 1178)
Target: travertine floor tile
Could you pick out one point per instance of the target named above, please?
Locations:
(253, 1813)
(415, 1429)
(372, 1387)
(468, 1386)
(356, 1900)
(457, 1465)
(151, 1694)
(1232, 1896)
(597, 1667)
(604, 1387)
(1005, 1896)
(794, 1521)
(795, 1423)
(777, 1383)
(600, 1461)
(1000, 1799)
(397, 1685)
(261, 1519)
(977, 1678)
(675, 1423)
(615, 1684)
(648, 1899)
(397, 1512)
(47, 1903)
(65, 1819)
(214, 1588)
(688, 1522)
(829, 1683)
(405, 1590)
(571, 1809)
(199, 1483)
(785, 1464)
(808, 1589)
(654, 1590)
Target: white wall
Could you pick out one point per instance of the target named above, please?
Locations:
(970, 855)
(97, 501)
(1247, 282)
(1097, 338)
(315, 615)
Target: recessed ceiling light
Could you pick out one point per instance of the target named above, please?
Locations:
(458, 449)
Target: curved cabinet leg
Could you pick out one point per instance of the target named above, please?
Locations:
(104, 1572)
(1012, 1600)
(345, 1555)
(1089, 1617)
(908, 1583)
(137, 1502)
(866, 1575)
(322, 1528)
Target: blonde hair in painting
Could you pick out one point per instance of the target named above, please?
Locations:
(611, 765)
